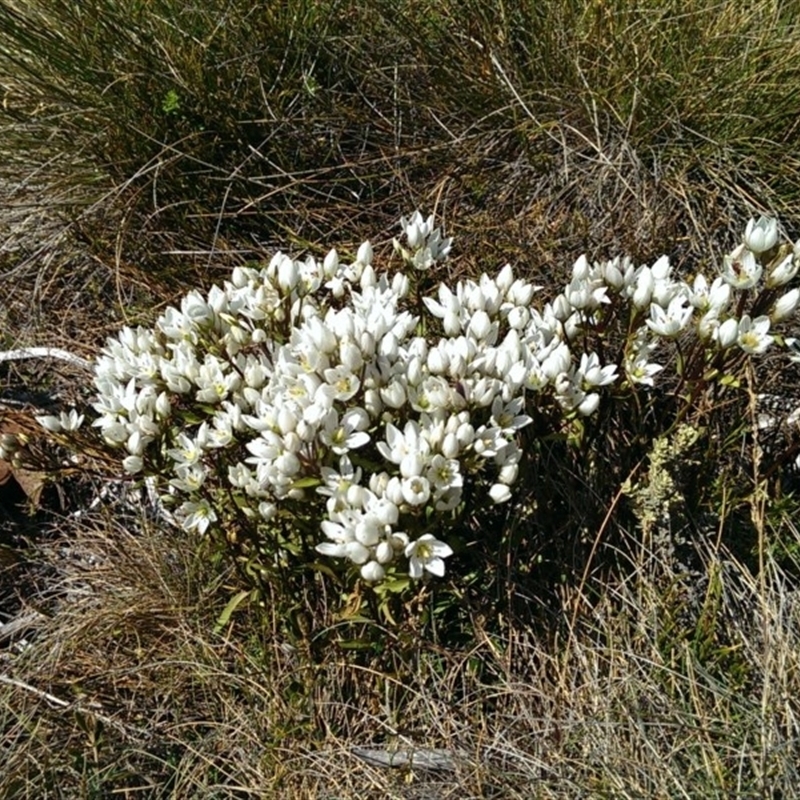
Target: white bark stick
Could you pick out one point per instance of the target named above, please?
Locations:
(46, 352)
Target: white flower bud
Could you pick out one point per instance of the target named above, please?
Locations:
(394, 395)
(364, 255)
(479, 325)
(366, 344)
(580, 269)
(368, 277)
(727, 333)
(239, 278)
(400, 285)
(562, 308)
(330, 266)
(267, 510)
(589, 404)
(500, 493)
(350, 356)
(521, 293)
(508, 474)
(573, 327)
(450, 447)
(438, 361)
(613, 276)
(451, 323)
(414, 372)
(288, 274)
(505, 278)
(388, 347)
(372, 572)
(394, 491)
(384, 553)
(414, 235)
(518, 317)
(287, 421)
(465, 434)
(762, 235)
(785, 305)
(372, 403)
(132, 464)
(707, 325)
(136, 444)
(378, 482)
(644, 289)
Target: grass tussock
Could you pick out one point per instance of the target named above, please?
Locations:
(670, 684)
(147, 147)
(576, 126)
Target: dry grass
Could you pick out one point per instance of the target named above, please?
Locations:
(610, 664)
(670, 684)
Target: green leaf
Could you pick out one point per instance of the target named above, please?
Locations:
(393, 585)
(306, 483)
(356, 644)
(318, 566)
(232, 605)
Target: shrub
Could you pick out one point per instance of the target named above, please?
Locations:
(305, 398)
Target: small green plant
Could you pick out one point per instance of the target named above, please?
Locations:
(171, 103)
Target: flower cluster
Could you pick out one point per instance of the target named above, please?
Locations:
(335, 388)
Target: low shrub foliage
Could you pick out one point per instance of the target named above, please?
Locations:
(309, 409)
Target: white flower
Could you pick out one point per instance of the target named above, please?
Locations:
(416, 490)
(345, 434)
(344, 383)
(71, 420)
(762, 235)
(710, 298)
(507, 416)
(783, 272)
(189, 479)
(740, 269)
(444, 473)
(753, 334)
(50, 423)
(426, 554)
(671, 322)
(417, 229)
(593, 373)
(197, 515)
(640, 371)
(187, 452)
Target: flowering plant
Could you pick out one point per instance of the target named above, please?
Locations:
(329, 405)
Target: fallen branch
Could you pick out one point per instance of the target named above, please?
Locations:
(133, 734)
(22, 623)
(46, 352)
